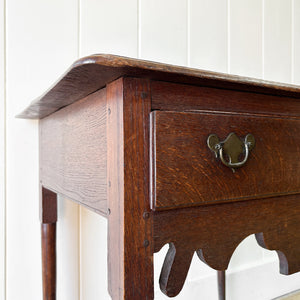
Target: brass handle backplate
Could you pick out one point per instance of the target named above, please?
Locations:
(231, 148)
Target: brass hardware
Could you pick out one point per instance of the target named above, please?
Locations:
(232, 147)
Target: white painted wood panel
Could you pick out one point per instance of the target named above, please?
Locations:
(93, 249)
(245, 27)
(163, 31)
(68, 248)
(277, 40)
(41, 44)
(108, 26)
(260, 282)
(208, 34)
(246, 254)
(296, 43)
(200, 271)
(2, 151)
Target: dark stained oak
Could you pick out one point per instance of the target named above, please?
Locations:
(127, 139)
(222, 284)
(73, 152)
(48, 216)
(174, 270)
(49, 260)
(187, 173)
(215, 231)
(48, 206)
(91, 73)
(184, 97)
(115, 192)
(130, 241)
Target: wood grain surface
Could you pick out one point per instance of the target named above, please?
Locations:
(222, 285)
(93, 72)
(73, 152)
(48, 206)
(183, 97)
(49, 260)
(48, 216)
(112, 153)
(115, 192)
(215, 231)
(187, 173)
(130, 246)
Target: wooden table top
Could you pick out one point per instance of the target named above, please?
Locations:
(91, 73)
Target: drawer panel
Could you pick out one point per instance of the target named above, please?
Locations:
(185, 172)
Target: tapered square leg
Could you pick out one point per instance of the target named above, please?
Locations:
(48, 215)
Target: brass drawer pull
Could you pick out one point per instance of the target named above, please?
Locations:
(233, 147)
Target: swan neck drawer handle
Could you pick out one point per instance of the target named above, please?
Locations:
(231, 149)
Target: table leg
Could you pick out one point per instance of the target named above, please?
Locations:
(130, 239)
(48, 215)
(49, 260)
(221, 285)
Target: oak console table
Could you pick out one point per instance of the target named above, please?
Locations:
(196, 159)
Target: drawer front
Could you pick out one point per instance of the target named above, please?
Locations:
(185, 172)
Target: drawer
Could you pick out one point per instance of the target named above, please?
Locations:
(185, 172)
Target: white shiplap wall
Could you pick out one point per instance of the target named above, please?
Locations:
(208, 34)
(2, 150)
(278, 40)
(163, 31)
(41, 42)
(296, 41)
(258, 38)
(245, 37)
